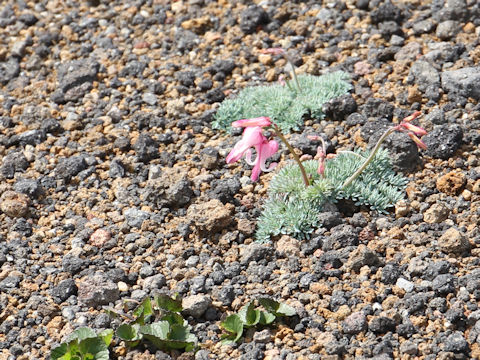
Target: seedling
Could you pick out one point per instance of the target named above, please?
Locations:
(250, 316)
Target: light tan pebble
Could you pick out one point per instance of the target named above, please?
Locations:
(288, 246)
(451, 183)
(14, 204)
(122, 286)
(437, 213)
(453, 242)
(402, 208)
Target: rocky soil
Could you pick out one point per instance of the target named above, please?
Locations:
(114, 186)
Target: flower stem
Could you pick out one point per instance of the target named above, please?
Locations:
(277, 131)
(294, 74)
(369, 159)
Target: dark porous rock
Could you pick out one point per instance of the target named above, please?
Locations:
(463, 82)
(341, 236)
(133, 68)
(28, 19)
(13, 162)
(73, 264)
(64, 290)
(444, 284)
(356, 119)
(30, 137)
(443, 52)
(97, 290)
(154, 282)
(355, 323)
(340, 107)
(223, 66)
(29, 187)
(403, 151)
(390, 273)
(9, 70)
(209, 158)
(423, 26)
(75, 79)
(135, 217)
(186, 78)
(256, 252)
(381, 324)
(67, 168)
(10, 282)
(456, 343)
(448, 29)
(225, 294)
(375, 107)
(23, 227)
(146, 148)
(362, 256)
(253, 17)
(224, 189)
(309, 146)
(424, 75)
(214, 96)
(386, 12)
(443, 141)
(450, 10)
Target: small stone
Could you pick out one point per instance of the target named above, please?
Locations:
(64, 290)
(404, 284)
(14, 204)
(122, 286)
(135, 217)
(196, 305)
(287, 246)
(210, 216)
(437, 213)
(444, 284)
(355, 323)
(446, 30)
(100, 237)
(408, 347)
(97, 290)
(456, 343)
(425, 74)
(453, 242)
(462, 82)
(150, 99)
(255, 252)
(381, 324)
(362, 256)
(451, 183)
(253, 17)
(402, 208)
(264, 336)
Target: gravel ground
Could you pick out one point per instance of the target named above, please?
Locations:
(114, 186)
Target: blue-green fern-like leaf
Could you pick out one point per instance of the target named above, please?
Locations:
(285, 106)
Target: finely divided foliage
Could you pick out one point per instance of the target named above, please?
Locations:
(294, 209)
(284, 105)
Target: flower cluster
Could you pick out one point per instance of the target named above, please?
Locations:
(253, 137)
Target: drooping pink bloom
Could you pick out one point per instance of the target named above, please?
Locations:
(253, 137)
(264, 151)
(417, 130)
(417, 141)
(261, 121)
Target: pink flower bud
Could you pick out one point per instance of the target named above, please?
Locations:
(259, 121)
(417, 141)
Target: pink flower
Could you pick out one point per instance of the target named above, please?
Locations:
(415, 132)
(261, 121)
(417, 141)
(253, 137)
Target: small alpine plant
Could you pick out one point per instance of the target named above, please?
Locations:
(300, 189)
